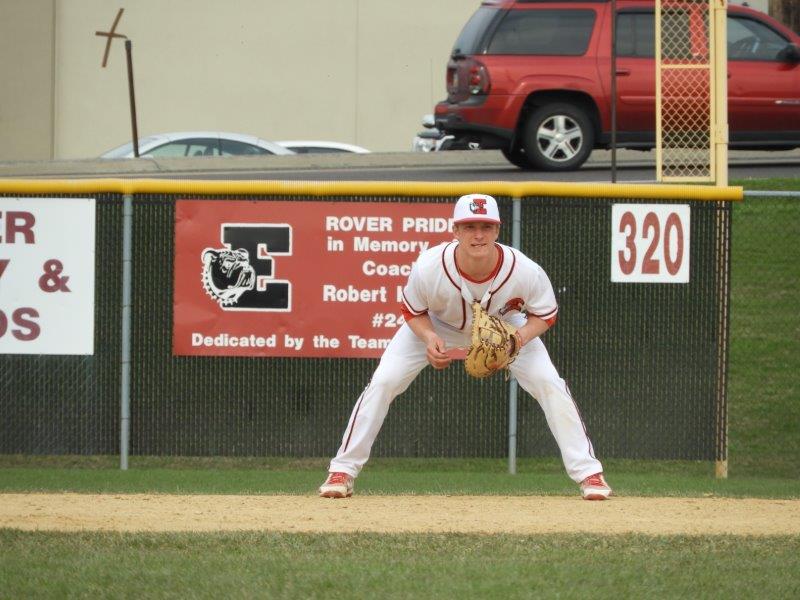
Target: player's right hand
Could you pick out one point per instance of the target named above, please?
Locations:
(437, 353)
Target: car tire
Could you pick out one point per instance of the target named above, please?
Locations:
(558, 137)
(517, 157)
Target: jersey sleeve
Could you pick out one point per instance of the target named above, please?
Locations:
(415, 297)
(541, 301)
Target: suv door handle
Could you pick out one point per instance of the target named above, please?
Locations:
(623, 71)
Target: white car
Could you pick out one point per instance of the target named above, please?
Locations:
(318, 147)
(198, 143)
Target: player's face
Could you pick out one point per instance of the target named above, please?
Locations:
(477, 238)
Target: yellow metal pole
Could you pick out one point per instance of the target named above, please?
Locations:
(720, 132)
(314, 189)
(720, 91)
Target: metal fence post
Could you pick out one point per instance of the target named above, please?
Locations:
(516, 240)
(125, 359)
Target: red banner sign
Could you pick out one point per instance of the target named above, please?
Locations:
(293, 278)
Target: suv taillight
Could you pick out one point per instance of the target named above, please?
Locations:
(452, 79)
(466, 77)
(477, 78)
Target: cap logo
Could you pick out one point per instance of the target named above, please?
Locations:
(478, 206)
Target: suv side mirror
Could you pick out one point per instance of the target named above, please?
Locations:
(791, 53)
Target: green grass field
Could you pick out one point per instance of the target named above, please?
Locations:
(265, 565)
(764, 415)
(383, 476)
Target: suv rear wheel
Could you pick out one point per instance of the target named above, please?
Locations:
(558, 137)
(517, 158)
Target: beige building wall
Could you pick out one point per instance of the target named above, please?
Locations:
(358, 71)
(26, 79)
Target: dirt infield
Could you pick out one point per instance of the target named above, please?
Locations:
(398, 514)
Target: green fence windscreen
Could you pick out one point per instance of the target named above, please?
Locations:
(646, 363)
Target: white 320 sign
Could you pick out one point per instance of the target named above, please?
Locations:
(650, 243)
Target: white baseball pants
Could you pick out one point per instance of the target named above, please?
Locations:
(405, 357)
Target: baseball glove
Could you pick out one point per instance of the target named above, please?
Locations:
(495, 344)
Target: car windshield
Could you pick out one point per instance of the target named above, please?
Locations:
(186, 147)
(470, 37)
(127, 149)
(120, 152)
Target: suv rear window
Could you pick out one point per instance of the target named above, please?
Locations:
(543, 32)
(469, 40)
(636, 34)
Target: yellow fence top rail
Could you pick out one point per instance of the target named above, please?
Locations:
(369, 188)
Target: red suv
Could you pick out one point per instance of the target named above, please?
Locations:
(532, 78)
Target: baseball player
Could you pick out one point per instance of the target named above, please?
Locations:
(444, 282)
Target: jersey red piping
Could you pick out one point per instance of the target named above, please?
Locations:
(408, 315)
(446, 272)
(511, 270)
(444, 266)
(547, 316)
(583, 423)
(410, 308)
(497, 289)
(498, 265)
(355, 415)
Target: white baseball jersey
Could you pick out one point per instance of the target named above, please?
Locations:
(517, 287)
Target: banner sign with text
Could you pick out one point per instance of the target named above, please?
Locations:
(296, 278)
(47, 275)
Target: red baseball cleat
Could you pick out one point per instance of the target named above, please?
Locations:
(595, 487)
(337, 485)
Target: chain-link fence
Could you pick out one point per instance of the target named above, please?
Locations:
(685, 78)
(647, 362)
(765, 331)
